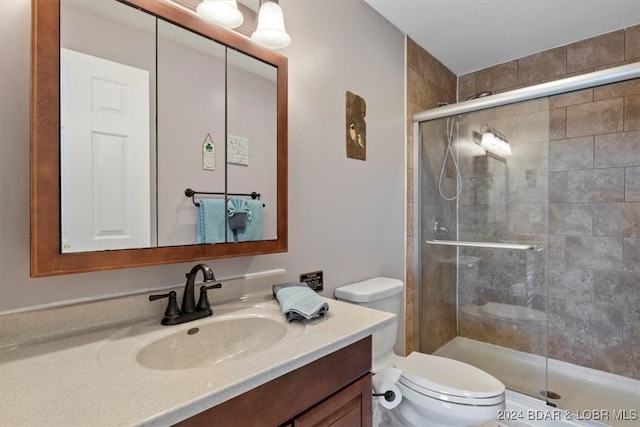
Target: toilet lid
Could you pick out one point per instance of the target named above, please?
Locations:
(449, 377)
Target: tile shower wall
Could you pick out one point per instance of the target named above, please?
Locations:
(428, 82)
(594, 196)
(594, 287)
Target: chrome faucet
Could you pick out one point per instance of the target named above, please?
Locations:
(173, 315)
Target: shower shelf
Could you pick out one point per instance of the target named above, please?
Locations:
(516, 246)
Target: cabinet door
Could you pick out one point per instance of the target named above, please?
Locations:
(347, 408)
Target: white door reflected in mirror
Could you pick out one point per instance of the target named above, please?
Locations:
(105, 154)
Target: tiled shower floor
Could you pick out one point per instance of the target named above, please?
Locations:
(586, 393)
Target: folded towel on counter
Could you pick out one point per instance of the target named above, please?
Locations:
(298, 301)
(211, 223)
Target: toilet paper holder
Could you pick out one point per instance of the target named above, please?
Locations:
(388, 395)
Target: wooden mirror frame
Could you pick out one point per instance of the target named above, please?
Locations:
(46, 256)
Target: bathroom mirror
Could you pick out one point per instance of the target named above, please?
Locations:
(232, 117)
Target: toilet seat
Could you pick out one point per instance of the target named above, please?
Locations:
(449, 380)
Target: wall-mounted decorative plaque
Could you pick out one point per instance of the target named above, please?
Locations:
(208, 154)
(356, 126)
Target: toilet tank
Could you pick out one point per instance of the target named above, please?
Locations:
(379, 293)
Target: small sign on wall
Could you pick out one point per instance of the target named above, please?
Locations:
(356, 109)
(313, 279)
(238, 150)
(208, 154)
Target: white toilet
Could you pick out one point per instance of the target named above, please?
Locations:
(436, 391)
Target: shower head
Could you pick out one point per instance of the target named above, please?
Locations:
(474, 96)
(479, 95)
(442, 103)
(492, 141)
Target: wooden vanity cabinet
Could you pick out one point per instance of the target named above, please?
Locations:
(335, 390)
(346, 408)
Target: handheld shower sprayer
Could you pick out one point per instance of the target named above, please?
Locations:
(450, 123)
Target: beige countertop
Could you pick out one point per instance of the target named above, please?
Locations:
(93, 377)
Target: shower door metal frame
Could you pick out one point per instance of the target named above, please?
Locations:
(556, 87)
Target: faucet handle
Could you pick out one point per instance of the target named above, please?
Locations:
(203, 302)
(172, 308)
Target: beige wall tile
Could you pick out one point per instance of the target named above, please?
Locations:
(533, 127)
(515, 335)
(410, 232)
(617, 150)
(518, 109)
(434, 71)
(558, 123)
(615, 64)
(413, 51)
(498, 78)
(571, 154)
(410, 195)
(571, 98)
(595, 118)
(632, 185)
(572, 348)
(632, 113)
(596, 51)
(632, 42)
(549, 64)
(466, 85)
(616, 90)
(416, 88)
(616, 219)
(614, 356)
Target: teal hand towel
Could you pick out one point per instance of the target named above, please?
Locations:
(238, 214)
(236, 206)
(211, 221)
(254, 211)
(299, 302)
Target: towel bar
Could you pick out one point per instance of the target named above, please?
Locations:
(190, 193)
(517, 246)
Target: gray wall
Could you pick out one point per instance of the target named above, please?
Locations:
(346, 216)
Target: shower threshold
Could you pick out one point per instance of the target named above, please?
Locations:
(588, 396)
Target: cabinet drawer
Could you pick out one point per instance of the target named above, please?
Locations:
(347, 408)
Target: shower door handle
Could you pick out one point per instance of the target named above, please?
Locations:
(516, 246)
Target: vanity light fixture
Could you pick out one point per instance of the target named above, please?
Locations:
(492, 140)
(270, 32)
(221, 12)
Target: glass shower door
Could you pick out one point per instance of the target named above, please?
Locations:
(484, 203)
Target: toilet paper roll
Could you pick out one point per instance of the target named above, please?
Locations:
(390, 404)
(384, 381)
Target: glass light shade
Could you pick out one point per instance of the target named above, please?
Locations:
(495, 144)
(221, 12)
(270, 32)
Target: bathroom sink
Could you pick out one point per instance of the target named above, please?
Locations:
(212, 342)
